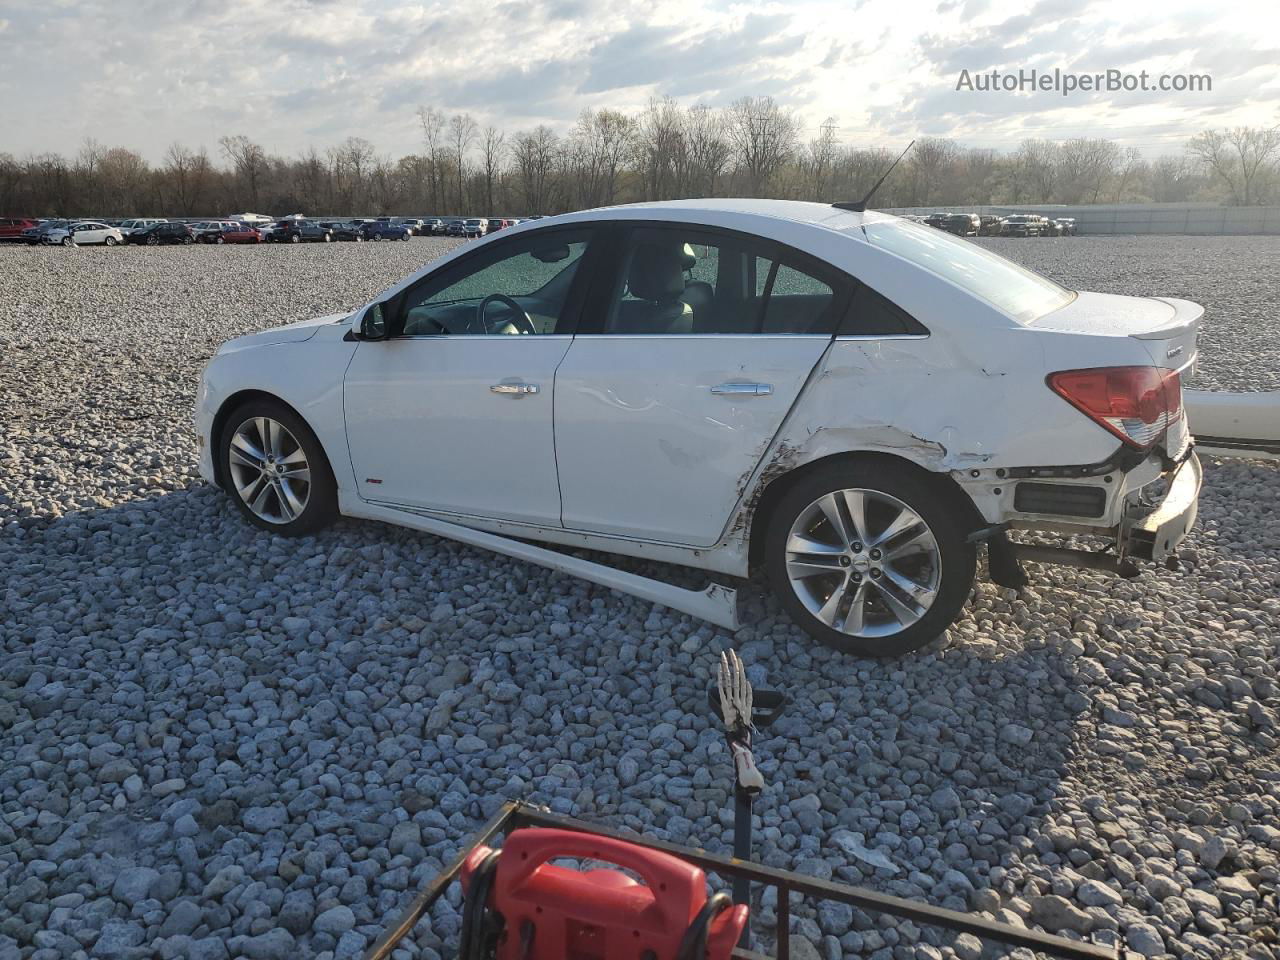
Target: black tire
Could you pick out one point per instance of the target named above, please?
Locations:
(295, 238)
(322, 498)
(188, 240)
(110, 241)
(68, 241)
(936, 507)
(153, 241)
(220, 240)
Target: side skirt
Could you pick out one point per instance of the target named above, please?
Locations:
(716, 604)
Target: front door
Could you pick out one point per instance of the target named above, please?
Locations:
(453, 413)
(681, 377)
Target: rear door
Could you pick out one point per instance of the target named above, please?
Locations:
(692, 350)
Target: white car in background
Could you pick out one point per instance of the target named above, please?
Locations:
(85, 233)
(848, 401)
(140, 223)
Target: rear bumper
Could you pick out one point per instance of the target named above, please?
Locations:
(1155, 534)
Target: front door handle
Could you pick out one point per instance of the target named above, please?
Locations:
(742, 389)
(514, 388)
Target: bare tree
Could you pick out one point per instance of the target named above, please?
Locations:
(818, 161)
(250, 162)
(1130, 164)
(764, 137)
(492, 150)
(706, 149)
(432, 122)
(659, 147)
(1237, 157)
(931, 166)
(462, 134)
(600, 142)
(1037, 162)
(536, 155)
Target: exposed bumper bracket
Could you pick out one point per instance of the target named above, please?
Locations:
(1086, 559)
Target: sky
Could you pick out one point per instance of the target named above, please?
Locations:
(292, 74)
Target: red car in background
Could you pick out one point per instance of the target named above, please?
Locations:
(11, 227)
(226, 231)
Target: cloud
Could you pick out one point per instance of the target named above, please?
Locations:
(299, 73)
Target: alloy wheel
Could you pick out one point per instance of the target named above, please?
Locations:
(863, 562)
(269, 470)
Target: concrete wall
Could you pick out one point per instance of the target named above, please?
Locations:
(1127, 218)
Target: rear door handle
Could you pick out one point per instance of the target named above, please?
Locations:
(742, 389)
(514, 388)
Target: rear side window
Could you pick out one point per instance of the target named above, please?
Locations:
(873, 315)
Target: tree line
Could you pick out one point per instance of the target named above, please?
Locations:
(754, 147)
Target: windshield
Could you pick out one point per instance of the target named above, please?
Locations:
(1018, 292)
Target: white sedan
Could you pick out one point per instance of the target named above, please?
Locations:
(850, 402)
(85, 233)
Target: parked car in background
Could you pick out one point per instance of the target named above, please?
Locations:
(163, 232)
(432, 225)
(1022, 225)
(13, 228)
(85, 233)
(843, 401)
(384, 230)
(343, 230)
(299, 231)
(935, 220)
(1050, 228)
(139, 223)
(230, 231)
(499, 223)
(475, 227)
(989, 226)
(1067, 225)
(413, 223)
(962, 224)
(454, 226)
(35, 236)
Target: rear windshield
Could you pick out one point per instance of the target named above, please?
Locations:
(1016, 291)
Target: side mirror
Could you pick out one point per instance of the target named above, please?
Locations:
(373, 324)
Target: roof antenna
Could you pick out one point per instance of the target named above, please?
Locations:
(860, 206)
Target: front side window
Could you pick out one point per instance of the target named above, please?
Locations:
(688, 281)
(513, 288)
(1020, 293)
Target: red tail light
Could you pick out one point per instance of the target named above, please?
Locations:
(1137, 404)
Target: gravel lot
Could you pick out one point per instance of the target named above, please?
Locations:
(216, 743)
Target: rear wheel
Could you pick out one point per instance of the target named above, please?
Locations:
(276, 471)
(220, 240)
(153, 241)
(869, 557)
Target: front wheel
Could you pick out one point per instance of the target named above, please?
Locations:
(869, 557)
(110, 241)
(68, 241)
(276, 471)
(295, 239)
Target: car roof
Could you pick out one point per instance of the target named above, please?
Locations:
(744, 214)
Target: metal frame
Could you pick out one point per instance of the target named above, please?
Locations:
(515, 814)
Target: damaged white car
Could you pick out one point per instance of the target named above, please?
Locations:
(847, 401)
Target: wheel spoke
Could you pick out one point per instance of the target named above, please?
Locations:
(290, 503)
(833, 509)
(798, 543)
(296, 457)
(921, 594)
(259, 502)
(249, 491)
(904, 521)
(302, 473)
(245, 446)
(920, 540)
(855, 620)
(828, 611)
(812, 565)
(240, 458)
(906, 613)
(855, 502)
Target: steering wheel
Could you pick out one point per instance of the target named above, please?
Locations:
(520, 319)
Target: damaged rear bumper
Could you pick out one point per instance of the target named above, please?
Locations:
(1154, 534)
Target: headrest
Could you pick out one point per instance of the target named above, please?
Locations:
(657, 272)
(688, 259)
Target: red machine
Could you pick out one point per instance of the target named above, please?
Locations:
(520, 906)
